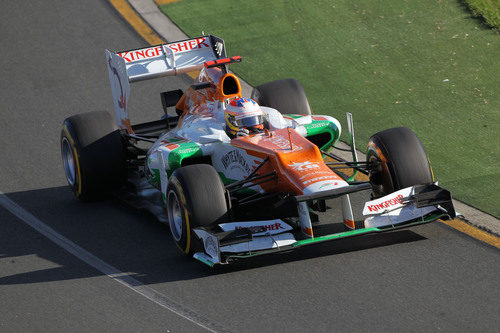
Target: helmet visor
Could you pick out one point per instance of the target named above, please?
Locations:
(250, 121)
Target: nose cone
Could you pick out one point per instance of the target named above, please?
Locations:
(310, 174)
(298, 162)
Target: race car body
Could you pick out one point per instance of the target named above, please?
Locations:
(298, 162)
(227, 197)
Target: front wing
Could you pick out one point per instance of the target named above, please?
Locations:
(404, 208)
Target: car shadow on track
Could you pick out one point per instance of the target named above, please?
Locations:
(134, 242)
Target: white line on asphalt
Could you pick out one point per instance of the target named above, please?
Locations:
(107, 269)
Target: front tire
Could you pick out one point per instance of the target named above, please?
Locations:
(195, 198)
(93, 154)
(398, 160)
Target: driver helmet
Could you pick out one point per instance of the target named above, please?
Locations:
(243, 116)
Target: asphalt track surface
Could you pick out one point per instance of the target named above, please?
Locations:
(52, 65)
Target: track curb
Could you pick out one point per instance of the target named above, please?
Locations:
(160, 23)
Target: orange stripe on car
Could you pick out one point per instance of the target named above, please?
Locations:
(350, 224)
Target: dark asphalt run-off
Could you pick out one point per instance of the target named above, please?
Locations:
(52, 66)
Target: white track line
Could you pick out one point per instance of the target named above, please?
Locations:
(107, 269)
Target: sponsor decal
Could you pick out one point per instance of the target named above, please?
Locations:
(375, 208)
(258, 228)
(268, 227)
(316, 173)
(234, 159)
(219, 47)
(153, 52)
(187, 150)
(316, 124)
(397, 216)
(304, 166)
(189, 45)
(317, 179)
(169, 145)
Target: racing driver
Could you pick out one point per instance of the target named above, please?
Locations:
(243, 117)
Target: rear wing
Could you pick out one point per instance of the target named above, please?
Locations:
(156, 61)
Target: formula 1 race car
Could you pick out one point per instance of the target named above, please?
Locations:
(227, 196)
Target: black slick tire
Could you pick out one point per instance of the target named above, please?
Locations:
(287, 96)
(93, 154)
(195, 198)
(399, 160)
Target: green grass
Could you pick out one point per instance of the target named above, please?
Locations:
(427, 65)
(488, 9)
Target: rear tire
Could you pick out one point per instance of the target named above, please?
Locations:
(287, 96)
(401, 161)
(93, 154)
(195, 198)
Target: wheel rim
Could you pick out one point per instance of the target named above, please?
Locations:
(68, 161)
(174, 216)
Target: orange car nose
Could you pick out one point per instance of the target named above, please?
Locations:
(297, 161)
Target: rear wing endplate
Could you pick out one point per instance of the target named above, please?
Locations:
(154, 62)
